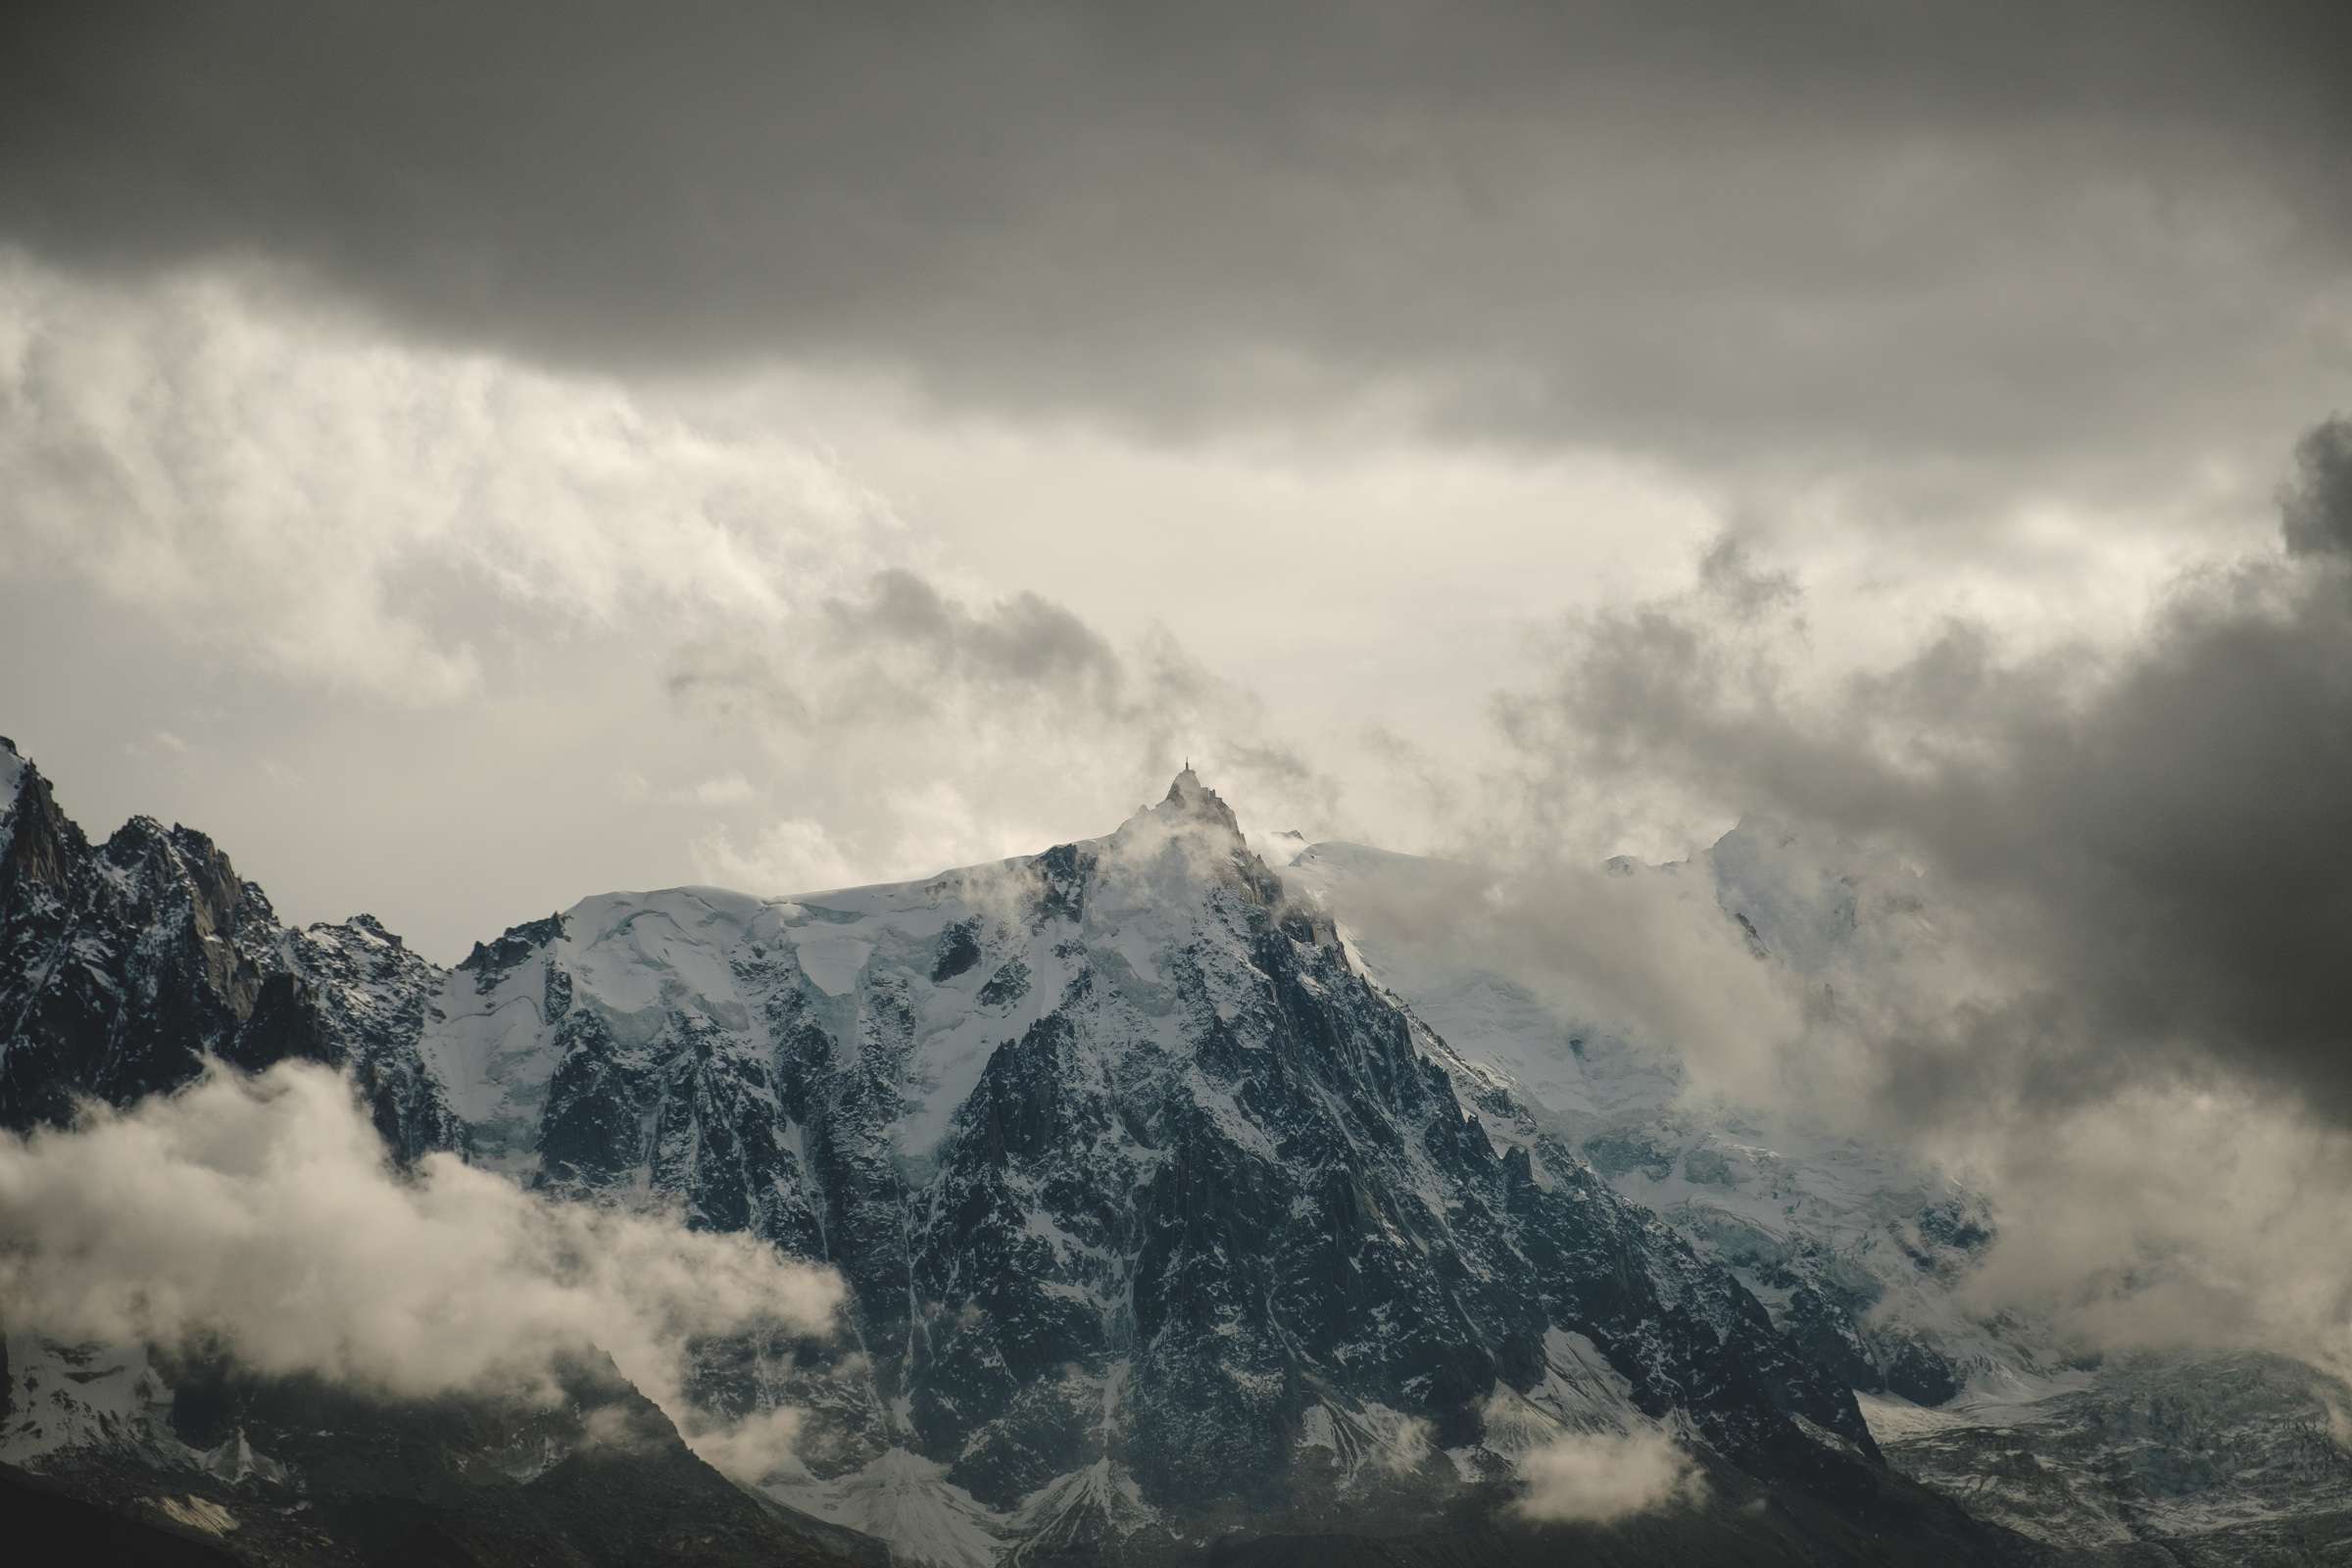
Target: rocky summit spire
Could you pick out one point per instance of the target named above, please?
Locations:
(1192, 798)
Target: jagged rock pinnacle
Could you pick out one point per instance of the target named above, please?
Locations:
(1192, 798)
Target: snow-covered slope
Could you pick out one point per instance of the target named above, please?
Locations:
(1148, 1195)
(2142, 1450)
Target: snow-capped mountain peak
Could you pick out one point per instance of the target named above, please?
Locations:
(1152, 1204)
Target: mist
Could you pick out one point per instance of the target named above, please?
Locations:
(259, 1215)
(1603, 1478)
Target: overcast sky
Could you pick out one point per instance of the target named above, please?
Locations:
(466, 458)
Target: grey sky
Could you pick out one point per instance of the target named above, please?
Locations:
(465, 457)
(1822, 232)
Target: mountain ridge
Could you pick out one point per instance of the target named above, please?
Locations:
(1161, 1219)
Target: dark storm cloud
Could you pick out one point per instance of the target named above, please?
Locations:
(1916, 232)
(2318, 503)
(2152, 850)
(903, 649)
(1027, 640)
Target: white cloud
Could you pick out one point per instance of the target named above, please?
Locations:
(1648, 956)
(156, 746)
(260, 1210)
(790, 855)
(275, 483)
(529, 577)
(2173, 1216)
(727, 789)
(750, 1449)
(1601, 1478)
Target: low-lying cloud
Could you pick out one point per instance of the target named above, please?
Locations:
(2173, 1218)
(1601, 1478)
(260, 1213)
(1614, 951)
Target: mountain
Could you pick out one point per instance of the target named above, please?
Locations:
(1168, 1228)
(1853, 1248)
(123, 964)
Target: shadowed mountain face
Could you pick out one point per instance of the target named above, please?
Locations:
(223, 1466)
(1164, 1224)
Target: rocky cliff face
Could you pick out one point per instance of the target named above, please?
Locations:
(1163, 1220)
(123, 966)
(1156, 1212)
